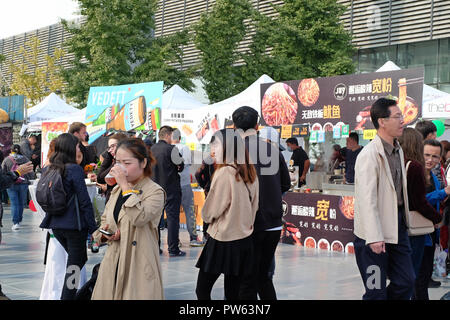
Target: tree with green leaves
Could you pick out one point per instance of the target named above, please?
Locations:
(304, 39)
(309, 40)
(218, 34)
(115, 45)
(31, 78)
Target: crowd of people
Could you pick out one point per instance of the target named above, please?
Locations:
(145, 184)
(395, 177)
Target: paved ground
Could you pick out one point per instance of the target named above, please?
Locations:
(300, 273)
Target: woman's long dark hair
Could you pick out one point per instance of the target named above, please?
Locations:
(235, 154)
(65, 152)
(412, 145)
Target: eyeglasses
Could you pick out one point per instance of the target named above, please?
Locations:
(432, 157)
(112, 146)
(398, 118)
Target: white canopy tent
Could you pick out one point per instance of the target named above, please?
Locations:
(49, 108)
(193, 122)
(177, 98)
(77, 116)
(249, 97)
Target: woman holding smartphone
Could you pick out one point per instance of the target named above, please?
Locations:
(130, 269)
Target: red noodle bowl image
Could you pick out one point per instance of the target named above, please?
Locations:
(337, 246)
(324, 244)
(347, 206)
(308, 92)
(328, 127)
(279, 105)
(349, 248)
(310, 243)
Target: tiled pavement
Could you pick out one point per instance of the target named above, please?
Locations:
(300, 273)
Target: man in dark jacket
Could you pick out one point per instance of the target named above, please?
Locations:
(274, 180)
(6, 180)
(78, 129)
(165, 173)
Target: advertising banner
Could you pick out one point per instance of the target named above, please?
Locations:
(50, 131)
(318, 221)
(324, 103)
(124, 108)
(437, 109)
(197, 126)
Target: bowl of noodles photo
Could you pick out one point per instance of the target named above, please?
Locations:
(337, 246)
(279, 105)
(310, 242)
(349, 248)
(308, 92)
(347, 206)
(324, 244)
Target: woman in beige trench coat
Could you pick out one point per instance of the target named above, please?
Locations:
(130, 269)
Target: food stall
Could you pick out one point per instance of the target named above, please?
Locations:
(323, 112)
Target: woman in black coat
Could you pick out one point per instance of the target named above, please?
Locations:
(71, 229)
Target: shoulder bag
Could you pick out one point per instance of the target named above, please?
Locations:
(416, 223)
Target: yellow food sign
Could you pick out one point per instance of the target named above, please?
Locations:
(369, 134)
(286, 131)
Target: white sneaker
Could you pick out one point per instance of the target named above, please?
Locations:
(15, 227)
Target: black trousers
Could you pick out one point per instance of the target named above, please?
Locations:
(395, 264)
(172, 209)
(206, 281)
(425, 272)
(260, 283)
(74, 242)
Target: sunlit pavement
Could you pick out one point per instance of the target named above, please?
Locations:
(300, 273)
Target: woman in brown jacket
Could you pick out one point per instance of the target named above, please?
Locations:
(130, 269)
(230, 209)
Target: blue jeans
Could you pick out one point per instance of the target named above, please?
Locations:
(18, 195)
(187, 201)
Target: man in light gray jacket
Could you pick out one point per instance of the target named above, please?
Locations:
(382, 248)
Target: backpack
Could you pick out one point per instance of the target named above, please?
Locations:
(50, 193)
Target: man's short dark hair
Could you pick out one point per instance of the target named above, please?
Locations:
(76, 127)
(354, 136)
(433, 143)
(425, 127)
(292, 141)
(245, 118)
(164, 131)
(380, 110)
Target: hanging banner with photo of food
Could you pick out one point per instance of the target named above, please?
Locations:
(319, 221)
(50, 131)
(325, 103)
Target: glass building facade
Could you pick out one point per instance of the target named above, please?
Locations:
(433, 55)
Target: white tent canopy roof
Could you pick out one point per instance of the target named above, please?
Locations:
(49, 108)
(77, 116)
(249, 97)
(177, 98)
